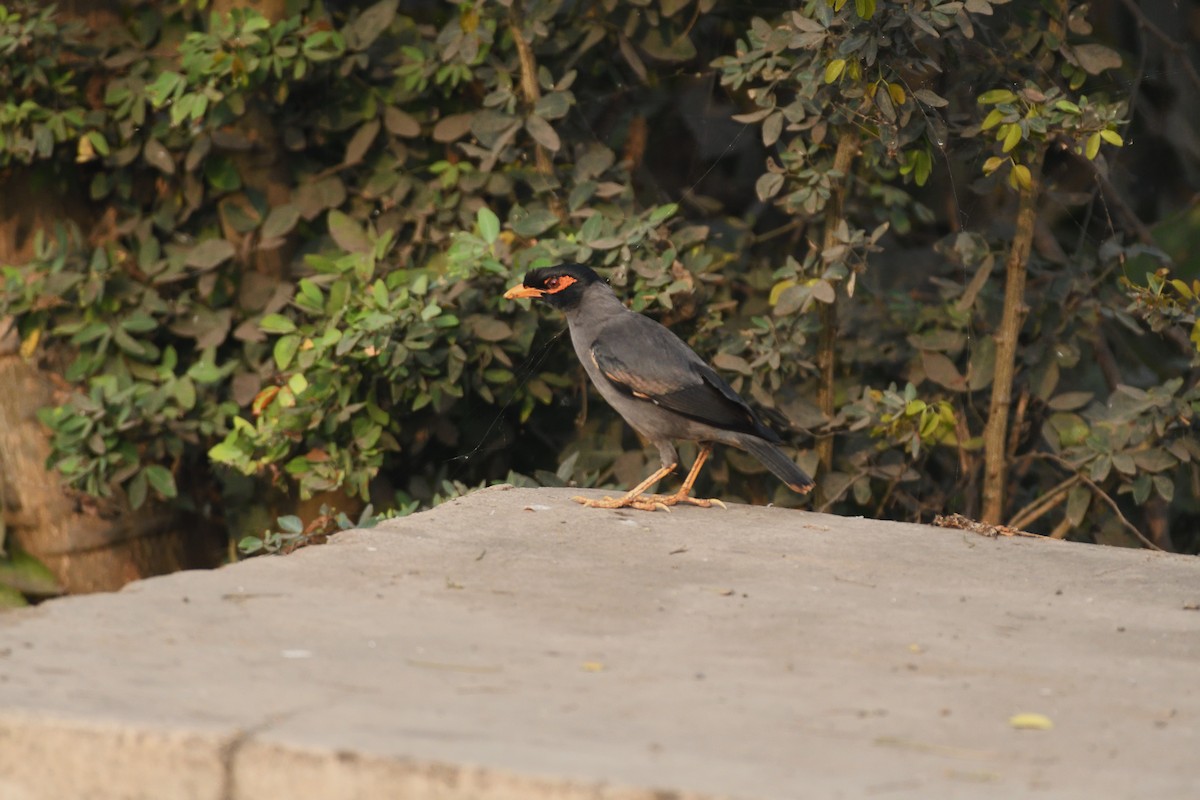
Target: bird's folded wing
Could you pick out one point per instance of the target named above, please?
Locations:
(648, 362)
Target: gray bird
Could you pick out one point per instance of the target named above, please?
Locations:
(657, 383)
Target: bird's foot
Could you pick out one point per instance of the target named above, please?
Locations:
(674, 499)
(640, 502)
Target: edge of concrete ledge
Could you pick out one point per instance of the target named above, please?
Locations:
(121, 760)
(170, 764)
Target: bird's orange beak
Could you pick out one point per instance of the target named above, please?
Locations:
(521, 290)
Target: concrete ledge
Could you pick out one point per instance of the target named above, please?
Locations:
(43, 757)
(512, 644)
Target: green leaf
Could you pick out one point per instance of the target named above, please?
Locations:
(290, 524)
(834, 69)
(1070, 401)
(210, 254)
(452, 128)
(492, 330)
(1022, 176)
(226, 452)
(1012, 137)
(361, 33)
(249, 545)
(276, 323)
(165, 87)
(1155, 459)
(137, 490)
(1095, 58)
(931, 99)
(280, 221)
(1165, 487)
(489, 224)
(11, 598)
(400, 123)
(139, 322)
(222, 174)
(791, 298)
(670, 48)
(158, 156)
(771, 129)
(360, 143)
(98, 142)
(543, 133)
(533, 222)
(161, 480)
(27, 575)
(997, 96)
(285, 350)
(663, 212)
(1112, 137)
(553, 105)
(347, 233)
(1077, 504)
(768, 185)
(992, 164)
(941, 370)
(204, 372)
(90, 333)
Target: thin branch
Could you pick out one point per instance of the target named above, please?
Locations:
(1113, 198)
(1103, 495)
(530, 91)
(1044, 504)
(1177, 48)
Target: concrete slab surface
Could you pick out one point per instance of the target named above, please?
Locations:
(512, 644)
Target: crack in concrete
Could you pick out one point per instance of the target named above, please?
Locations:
(228, 753)
(240, 738)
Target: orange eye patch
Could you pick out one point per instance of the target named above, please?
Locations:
(558, 283)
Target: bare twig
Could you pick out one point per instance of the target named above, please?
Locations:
(530, 91)
(959, 522)
(1044, 504)
(1103, 495)
(1177, 48)
(1112, 197)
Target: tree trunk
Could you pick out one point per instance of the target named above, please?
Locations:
(995, 432)
(843, 159)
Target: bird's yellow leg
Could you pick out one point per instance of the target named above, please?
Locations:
(684, 493)
(634, 497)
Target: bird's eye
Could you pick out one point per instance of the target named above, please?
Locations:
(552, 283)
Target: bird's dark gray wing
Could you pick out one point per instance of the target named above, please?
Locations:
(644, 360)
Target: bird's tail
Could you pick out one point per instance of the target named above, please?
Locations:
(777, 461)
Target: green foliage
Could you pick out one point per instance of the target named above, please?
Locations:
(294, 533)
(309, 223)
(22, 577)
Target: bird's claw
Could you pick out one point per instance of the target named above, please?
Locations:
(666, 501)
(657, 502)
(592, 502)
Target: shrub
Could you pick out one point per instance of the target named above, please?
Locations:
(306, 224)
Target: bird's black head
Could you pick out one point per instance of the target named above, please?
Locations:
(561, 286)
